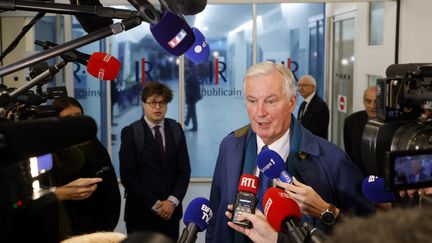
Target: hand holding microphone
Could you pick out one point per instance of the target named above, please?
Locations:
(246, 200)
(261, 231)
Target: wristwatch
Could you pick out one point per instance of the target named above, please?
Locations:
(329, 215)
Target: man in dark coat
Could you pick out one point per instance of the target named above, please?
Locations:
(313, 113)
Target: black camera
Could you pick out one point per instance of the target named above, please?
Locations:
(403, 128)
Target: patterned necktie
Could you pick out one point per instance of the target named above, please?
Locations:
(158, 138)
(302, 110)
(264, 183)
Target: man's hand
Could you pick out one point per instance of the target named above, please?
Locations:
(166, 209)
(261, 230)
(308, 200)
(78, 189)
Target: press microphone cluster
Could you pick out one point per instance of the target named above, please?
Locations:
(196, 218)
(246, 200)
(272, 165)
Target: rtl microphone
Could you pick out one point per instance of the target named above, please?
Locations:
(196, 218)
(103, 66)
(199, 52)
(173, 34)
(373, 189)
(272, 165)
(246, 200)
(283, 213)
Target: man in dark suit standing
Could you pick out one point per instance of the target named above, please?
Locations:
(313, 113)
(355, 124)
(157, 175)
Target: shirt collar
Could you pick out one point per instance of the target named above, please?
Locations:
(152, 125)
(309, 98)
(280, 146)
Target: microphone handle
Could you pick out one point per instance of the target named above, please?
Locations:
(290, 226)
(189, 234)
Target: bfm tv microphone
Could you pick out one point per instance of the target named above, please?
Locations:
(272, 165)
(24, 139)
(199, 52)
(91, 23)
(374, 190)
(246, 200)
(283, 214)
(196, 218)
(103, 66)
(173, 34)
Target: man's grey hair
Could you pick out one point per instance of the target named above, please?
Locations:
(309, 79)
(268, 67)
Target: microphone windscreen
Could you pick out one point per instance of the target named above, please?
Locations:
(248, 183)
(103, 66)
(191, 7)
(29, 138)
(278, 206)
(91, 23)
(198, 212)
(270, 163)
(373, 189)
(173, 34)
(199, 52)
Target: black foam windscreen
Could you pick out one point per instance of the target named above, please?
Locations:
(190, 7)
(91, 23)
(24, 139)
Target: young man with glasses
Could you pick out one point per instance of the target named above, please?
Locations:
(157, 175)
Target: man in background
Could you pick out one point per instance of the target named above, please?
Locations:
(355, 124)
(313, 113)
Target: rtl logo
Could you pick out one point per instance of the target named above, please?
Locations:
(248, 182)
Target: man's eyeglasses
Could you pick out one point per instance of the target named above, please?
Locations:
(154, 103)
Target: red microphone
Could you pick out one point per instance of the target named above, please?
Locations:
(280, 209)
(246, 200)
(103, 66)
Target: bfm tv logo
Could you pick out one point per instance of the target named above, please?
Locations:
(217, 69)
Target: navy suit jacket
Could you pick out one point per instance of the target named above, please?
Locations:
(148, 179)
(316, 118)
(326, 168)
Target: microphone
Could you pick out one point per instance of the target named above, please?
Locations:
(200, 50)
(283, 213)
(173, 34)
(103, 66)
(373, 189)
(272, 165)
(30, 98)
(190, 7)
(196, 218)
(245, 200)
(91, 23)
(24, 139)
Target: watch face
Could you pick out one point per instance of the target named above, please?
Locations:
(328, 217)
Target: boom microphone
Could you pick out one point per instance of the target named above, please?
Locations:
(103, 66)
(196, 218)
(91, 23)
(272, 165)
(173, 34)
(246, 200)
(200, 51)
(190, 7)
(374, 190)
(24, 139)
